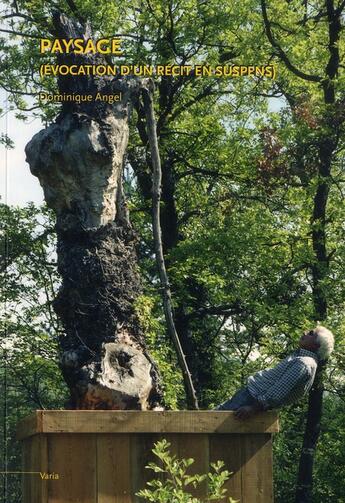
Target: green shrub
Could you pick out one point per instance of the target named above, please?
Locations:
(171, 486)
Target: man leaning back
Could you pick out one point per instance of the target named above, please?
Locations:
(286, 382)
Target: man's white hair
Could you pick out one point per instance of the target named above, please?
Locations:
(326, 340)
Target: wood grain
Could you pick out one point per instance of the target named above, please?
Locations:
(196, 447)
(35, 461)
(257, 469)
(73, 457)
(141, 455)
(113, 468)
(227, 448)
(82, 421)
(100, 456)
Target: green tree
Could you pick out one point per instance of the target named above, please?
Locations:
(321, 83)
(30, 377)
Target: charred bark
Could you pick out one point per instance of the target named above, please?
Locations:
(79, 161)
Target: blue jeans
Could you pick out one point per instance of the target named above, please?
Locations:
(241, 397)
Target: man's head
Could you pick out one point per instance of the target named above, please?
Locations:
(320, 340)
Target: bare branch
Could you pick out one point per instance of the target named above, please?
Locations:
(17, 14)
(156, 195)
(222, 310)
(20, 33)
(15, 91)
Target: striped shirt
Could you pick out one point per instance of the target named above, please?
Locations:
(286, 382)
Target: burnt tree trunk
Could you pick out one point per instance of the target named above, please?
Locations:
(79, 161)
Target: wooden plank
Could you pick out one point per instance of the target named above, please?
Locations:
(196, 447)
(81, 421)
(73, 457)
(227, 448)
(35, 462)
(30, 425)
(257, 469)
(141, 455)
(113, 468)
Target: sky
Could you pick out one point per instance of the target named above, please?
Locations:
(17, 185)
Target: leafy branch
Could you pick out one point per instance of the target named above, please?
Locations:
(172, 486)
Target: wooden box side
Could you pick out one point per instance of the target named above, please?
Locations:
(85, 421)
(110, 467)
(34, 469)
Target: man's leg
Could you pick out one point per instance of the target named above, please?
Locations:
(241, 397)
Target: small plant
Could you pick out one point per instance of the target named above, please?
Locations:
(172, 486)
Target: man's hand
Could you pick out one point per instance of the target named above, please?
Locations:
(245, 412)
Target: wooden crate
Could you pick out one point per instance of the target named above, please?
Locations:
(100, 456)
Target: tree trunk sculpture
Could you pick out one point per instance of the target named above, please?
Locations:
(79, 161)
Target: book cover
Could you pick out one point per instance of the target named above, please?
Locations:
(172, 223)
